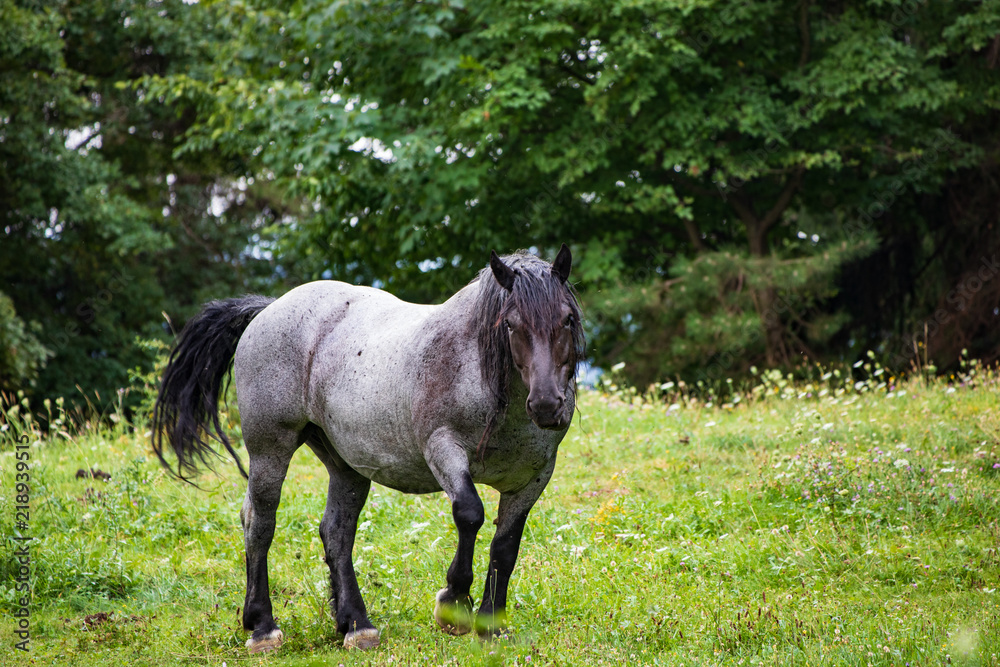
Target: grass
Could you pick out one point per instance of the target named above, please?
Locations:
(824, 522)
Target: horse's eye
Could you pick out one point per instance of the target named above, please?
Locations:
(568, 322)
(506, 324)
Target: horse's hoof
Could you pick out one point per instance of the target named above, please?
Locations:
(361, 639)
(497, 635)
(269, 642)
(455, 618)
(492, 626)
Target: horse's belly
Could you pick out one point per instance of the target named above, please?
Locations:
(384, 453)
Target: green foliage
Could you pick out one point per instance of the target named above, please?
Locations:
(706, 321)
(103, 230)
(410, 138)
(21, 355)
(146, 382)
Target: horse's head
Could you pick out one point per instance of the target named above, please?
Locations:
(542, 321)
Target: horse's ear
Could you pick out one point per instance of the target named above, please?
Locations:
(563, 263)
(503, 273)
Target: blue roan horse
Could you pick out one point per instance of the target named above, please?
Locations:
(479, 389)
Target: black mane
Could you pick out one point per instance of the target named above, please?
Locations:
(536, 295)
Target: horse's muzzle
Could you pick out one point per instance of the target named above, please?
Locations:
(559, 424)
(549, 414)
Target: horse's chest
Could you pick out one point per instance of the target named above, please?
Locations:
(509, 464)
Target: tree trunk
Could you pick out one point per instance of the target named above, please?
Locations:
(694, 235)
(769, 307)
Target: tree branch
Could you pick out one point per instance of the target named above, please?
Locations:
(569, 70)
(804, 33)
(784, 199)
(694, 235)
(993, 53)
(743, 206)
(674, 178)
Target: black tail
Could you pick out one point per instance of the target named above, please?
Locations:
(187, 408)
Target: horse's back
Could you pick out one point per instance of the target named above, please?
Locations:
(276, 353)
(360, 363)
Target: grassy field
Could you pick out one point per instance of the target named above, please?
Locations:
(825, 523)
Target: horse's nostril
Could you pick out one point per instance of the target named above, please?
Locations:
(545, 406)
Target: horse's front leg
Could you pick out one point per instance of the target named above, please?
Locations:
(491, 620)
(449, 462)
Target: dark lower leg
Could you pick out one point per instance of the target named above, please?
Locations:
(467, 511)
(448, 461)
(347, 494)
(257, 613)
(258, 517)
(503, 554)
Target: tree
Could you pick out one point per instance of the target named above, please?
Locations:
(660, 138)
(103, 228)
(21, 355)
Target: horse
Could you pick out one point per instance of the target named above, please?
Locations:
(420, 398)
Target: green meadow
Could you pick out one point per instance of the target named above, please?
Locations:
(826, 521)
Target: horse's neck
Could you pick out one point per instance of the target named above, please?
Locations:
(458, 316)
(458, 313)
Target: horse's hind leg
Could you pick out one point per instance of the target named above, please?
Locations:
(346, 497)
(267, 469)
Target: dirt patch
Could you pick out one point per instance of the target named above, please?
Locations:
(94, 620)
